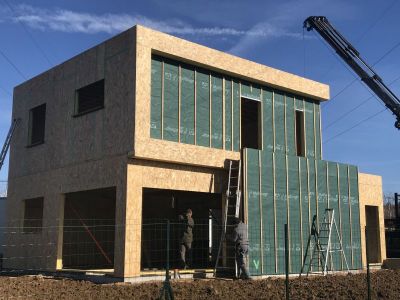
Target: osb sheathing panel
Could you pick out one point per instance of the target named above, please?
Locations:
(44, 250)
(150, 174)
(370, 193)
(149, 41)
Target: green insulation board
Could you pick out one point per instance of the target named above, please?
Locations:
(187, 105)
(253, 196)
(283, 189)
(156, 92)
(355, 217)
(309, 129)
(267, 212)
(317, 116)
(236, 116)
(279, 122)
(268, 129)
(294, 214)
(345, 212)
(333, 200)
(216, 112)
(281, 208)
(171, 101)
(202, 108)
(290, 126)
(305, 202)
(228, 114)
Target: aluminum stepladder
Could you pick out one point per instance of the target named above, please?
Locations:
(231, 211)
(320, 261)
(7, 142)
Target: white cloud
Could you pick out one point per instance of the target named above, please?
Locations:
(79, 22)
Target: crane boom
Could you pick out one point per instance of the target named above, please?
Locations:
(352, 57)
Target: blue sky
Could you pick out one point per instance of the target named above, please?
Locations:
(36, 35)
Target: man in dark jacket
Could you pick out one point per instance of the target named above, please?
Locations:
(187, 236)
(241, 240)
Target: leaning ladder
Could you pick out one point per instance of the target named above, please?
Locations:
(232, 207)
(321, 254)
(7, 142)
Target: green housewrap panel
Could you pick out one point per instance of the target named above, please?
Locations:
(345, 212)
(171, 101)
(309, 128)
(187, 105)
(281, 209)
(268, 134)
(305, 218)
(253, 198)
(236, 116)
(312, 188)
(228, 114)
(334, 203)
(202, 109)
(294, 214)
(279, 118)
(156, 105)
(299, 103)
(318, 154)
(322, 188)
(290, 126)
(250, 91)
(268, 215)
(216, 112)
(355, 217)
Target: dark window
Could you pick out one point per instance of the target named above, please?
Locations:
(33, 215)
(37, 122)
(300, 143)
(90, 98)
(251, 125)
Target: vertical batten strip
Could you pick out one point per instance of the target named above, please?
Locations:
(261, 213)
(340, 214)
(195, 106)
(320, 131)
(232, 116)
(179, 101)
(223, 114)
(162, 99)
(351, 223)
(240, 116)
(210, 111)
(300, 206)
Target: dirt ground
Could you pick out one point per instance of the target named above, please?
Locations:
(385, 285)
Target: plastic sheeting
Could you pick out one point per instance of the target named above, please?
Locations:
(228, 114)
(187, 105)
(203, 109)
(268, 126)
(156, 77)
(171, 101)
(216, 112)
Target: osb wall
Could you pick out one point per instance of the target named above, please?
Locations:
(370, 193)
(43, 250)
(150, 174)
(79, 153)
(150, 41)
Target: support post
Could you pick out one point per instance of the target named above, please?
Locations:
(287, 262)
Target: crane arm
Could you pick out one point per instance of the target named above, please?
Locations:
(352, 57)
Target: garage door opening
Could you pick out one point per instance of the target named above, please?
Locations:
(162, 205)
(89, 229)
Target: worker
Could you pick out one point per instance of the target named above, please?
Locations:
(241, 240)
(187, 237)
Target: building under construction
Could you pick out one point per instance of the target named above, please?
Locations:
(143, 126)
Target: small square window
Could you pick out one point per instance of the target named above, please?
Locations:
(90, 98)
(37, 125)
(33, 215)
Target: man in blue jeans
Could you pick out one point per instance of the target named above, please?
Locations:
(241, 240)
